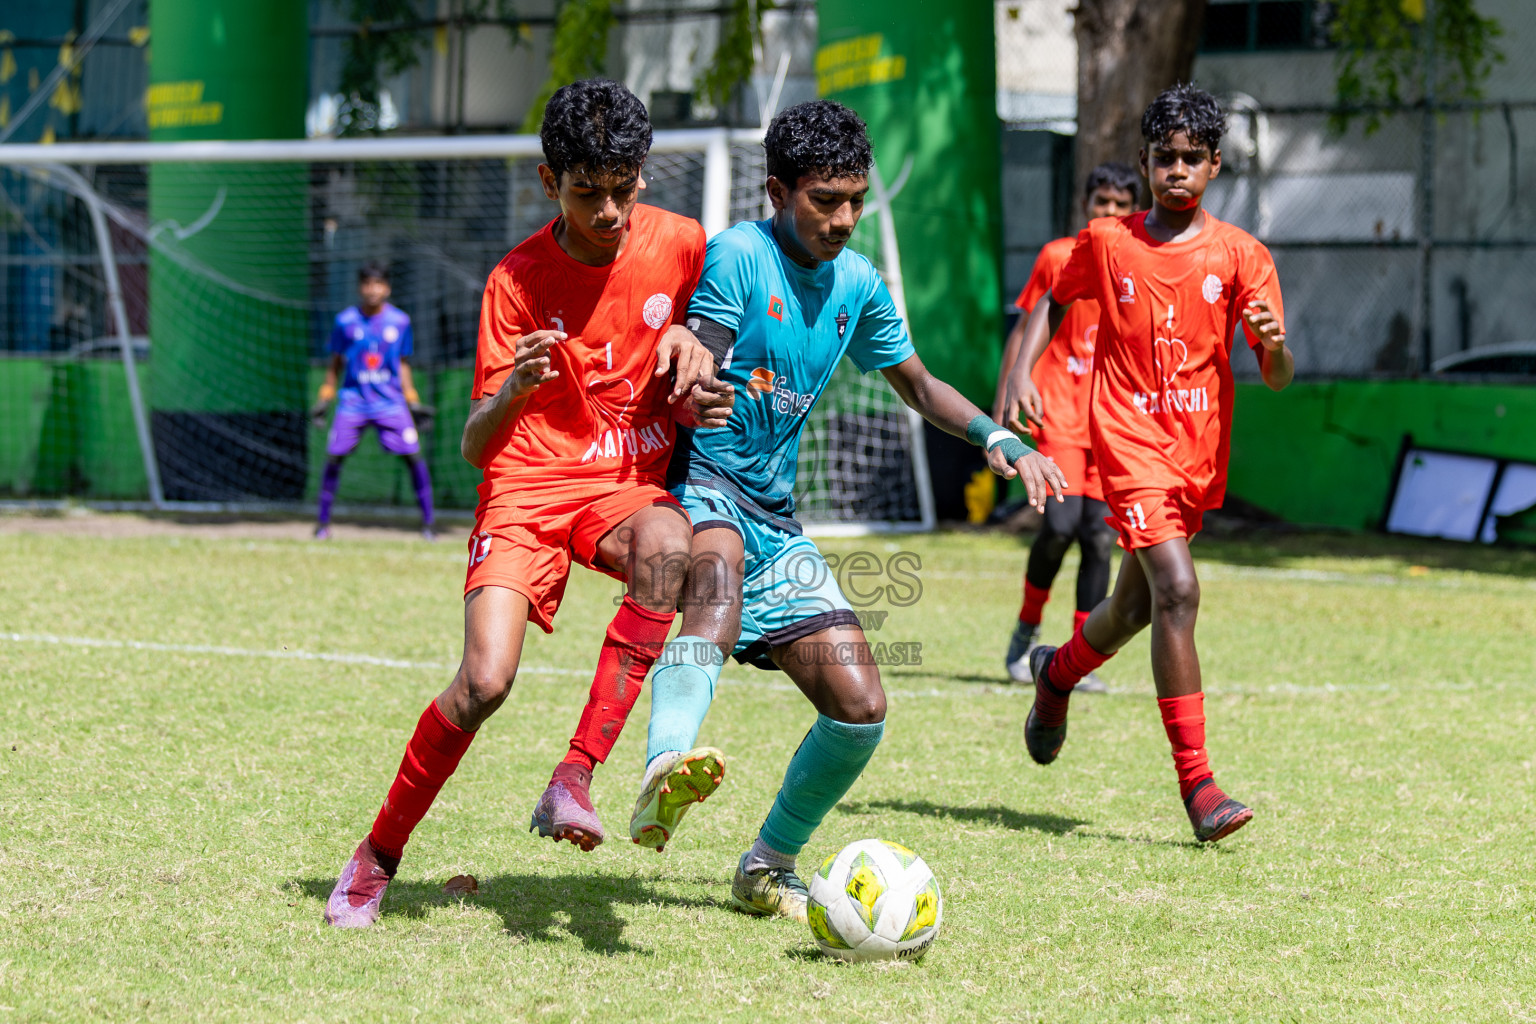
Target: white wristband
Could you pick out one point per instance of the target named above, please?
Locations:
(997, 437)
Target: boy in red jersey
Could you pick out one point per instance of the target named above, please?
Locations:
(1063, 374)
(1172, 285)
(574, 430)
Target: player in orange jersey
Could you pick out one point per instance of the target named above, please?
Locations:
(573, 425)
(1172, 284)
(1063, 374)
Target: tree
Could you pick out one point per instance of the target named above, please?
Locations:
(1128, 51)
(581, 46)
(1382, 56)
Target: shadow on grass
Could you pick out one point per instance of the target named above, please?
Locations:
(1018, 821)
(1175, 844)
(1000, 679)
(809, 953)
(1281, 550)
(536, 908)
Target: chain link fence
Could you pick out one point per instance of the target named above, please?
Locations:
(1395, 250)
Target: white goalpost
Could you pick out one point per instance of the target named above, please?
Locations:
(207, 273)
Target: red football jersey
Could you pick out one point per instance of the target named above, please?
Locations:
(604, 421)
(1064, 374)
(1162, 383)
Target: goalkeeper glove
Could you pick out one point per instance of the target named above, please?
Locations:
(422, 415)
(322, 406)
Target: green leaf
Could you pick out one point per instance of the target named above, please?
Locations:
(1382, 60)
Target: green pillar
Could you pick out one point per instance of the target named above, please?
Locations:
(229, 274)
(923, 75)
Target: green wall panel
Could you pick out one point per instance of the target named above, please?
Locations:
(26, 388)
(1324, 454)
(66, 429)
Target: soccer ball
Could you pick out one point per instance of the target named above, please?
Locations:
(875, 900)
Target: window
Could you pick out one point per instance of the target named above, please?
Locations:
(1248, 25)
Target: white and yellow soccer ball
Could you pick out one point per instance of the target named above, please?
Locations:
(875, 900)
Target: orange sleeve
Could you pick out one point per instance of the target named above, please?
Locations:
(1257, 279)
(503, 321)
(1040, 280)
(1079, 276)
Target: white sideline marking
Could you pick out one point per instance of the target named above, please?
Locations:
(1225, 571)
(756, 681)
(246, 652)
(360, 659)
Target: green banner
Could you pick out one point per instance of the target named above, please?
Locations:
(229, 277)
(924, 77)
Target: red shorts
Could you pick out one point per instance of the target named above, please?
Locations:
(1078, 467)
(1147, 517)
(529, 548)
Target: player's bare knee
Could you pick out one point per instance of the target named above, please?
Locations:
(861, 699)
(484, 686)
(660, 559)
(863, 708)
(1177, 595)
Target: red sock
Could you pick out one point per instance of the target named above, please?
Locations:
(635, 639)
(430, 757)
(1184, 720)
(1034, 603)
(1078, 618)
(1075, 659)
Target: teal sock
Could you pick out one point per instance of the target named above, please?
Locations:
(830, 758)
(681, 691)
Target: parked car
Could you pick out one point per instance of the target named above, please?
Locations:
(1512, 359)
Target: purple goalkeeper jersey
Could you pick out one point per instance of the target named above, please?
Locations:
(372, 347)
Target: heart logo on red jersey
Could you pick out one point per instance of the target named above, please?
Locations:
(1175, 347)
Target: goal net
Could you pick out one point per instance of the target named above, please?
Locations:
(165, 308)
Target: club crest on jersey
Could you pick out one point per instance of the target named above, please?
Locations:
(391, 333)
(1210, 288)
(776, 308)
(1127, 289)
(657, 311)
(842, 321)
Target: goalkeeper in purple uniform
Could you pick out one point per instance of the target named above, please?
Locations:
(369, 347)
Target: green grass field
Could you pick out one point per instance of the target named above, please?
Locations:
(172, 819)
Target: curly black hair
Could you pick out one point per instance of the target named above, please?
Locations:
(596, 126)
(373, 270)
(1185, 108)
(1118, 176)
(820, 136)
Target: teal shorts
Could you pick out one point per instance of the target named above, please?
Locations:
(788, 590)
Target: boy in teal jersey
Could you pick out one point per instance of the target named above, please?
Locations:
(779, 303)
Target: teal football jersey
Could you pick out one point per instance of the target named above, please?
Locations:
(792, 326)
